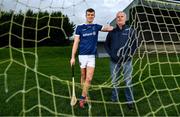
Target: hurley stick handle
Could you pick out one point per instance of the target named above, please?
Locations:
(72, 70)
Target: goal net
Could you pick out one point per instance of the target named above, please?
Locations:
(35, 73)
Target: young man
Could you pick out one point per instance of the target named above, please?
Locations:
(86, 36)
(121, 44)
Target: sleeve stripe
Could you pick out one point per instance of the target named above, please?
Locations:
(76, 35)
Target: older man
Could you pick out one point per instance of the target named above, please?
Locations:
(120, 45)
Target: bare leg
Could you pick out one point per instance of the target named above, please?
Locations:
(83, 76)
(89, 76)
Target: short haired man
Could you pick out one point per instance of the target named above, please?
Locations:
(86, 36)
(121, 44)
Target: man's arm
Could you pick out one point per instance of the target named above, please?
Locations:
(107, 44)
(107, 28)
(74, 50)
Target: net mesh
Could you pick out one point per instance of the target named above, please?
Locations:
(36, 80)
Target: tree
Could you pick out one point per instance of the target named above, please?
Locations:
(43, 28)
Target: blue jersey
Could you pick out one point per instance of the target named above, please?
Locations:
(121, 39)
(88, 34)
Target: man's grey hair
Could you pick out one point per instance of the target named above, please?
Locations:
(121, 12)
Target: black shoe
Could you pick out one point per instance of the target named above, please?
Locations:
(130, 107)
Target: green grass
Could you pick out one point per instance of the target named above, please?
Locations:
(156, 84)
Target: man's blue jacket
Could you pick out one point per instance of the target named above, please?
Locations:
(121, 44)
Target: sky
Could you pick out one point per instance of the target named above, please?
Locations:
(74, 9)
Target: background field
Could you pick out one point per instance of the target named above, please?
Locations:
(156, 84)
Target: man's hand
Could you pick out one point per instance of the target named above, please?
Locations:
(107, 28)
(72, 61)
